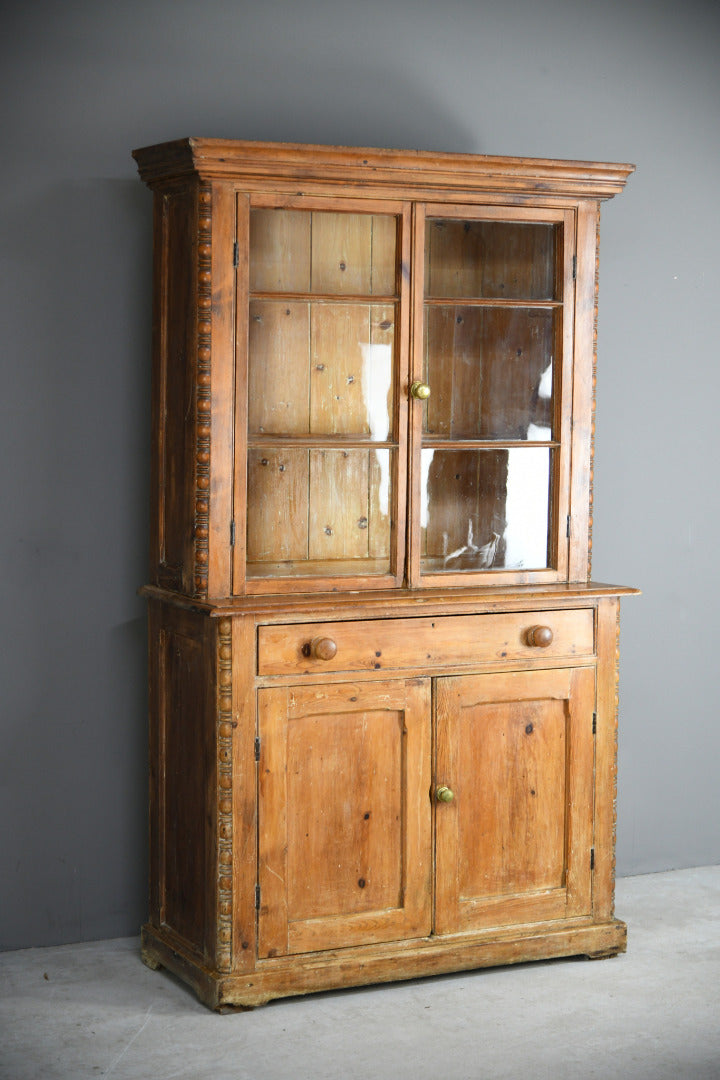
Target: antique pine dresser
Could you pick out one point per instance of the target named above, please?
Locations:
(383, 688)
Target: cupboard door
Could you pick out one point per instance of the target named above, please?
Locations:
(344, 815)
(494, 301)
(514, 844)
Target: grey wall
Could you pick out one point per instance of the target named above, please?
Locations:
(85, 82)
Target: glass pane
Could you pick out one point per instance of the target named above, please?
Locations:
(303, 251)
(490, 370)
(491, 259)
(319, 511)
(321, 369)
(485, 509)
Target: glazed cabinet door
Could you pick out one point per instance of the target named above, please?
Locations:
(494, 299)
(514, 843)
(323, 329)
(344, 815)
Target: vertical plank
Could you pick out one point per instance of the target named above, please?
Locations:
(279, 368)
(608, 630)
(244, 793)
(447, 850)
(417, 497)
(339, 335)
(580, 795)
(280, 250)
(384, 258)
(240, 472)
(222, 375)
(439, 369)
(277, 512)
(339, 504)
(583, 398)
(272, 822)
(381, 465)
(341, 253)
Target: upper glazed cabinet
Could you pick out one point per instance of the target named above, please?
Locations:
(376, 368)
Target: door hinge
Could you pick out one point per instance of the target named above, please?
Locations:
(567, 527)
(257, 749)
(594, 723)
(592, 858)
(257, 897)
(232, 534)
(574, 267)
(236, 254)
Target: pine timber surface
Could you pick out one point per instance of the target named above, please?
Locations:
(373, 755)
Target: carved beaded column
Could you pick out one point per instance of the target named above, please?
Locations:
(203, 394)
(224, 797)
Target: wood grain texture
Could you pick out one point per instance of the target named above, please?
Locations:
(367, 760)
(405, 170)
(344, 830)
(393, 644)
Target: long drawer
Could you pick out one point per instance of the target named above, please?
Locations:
(449, 640)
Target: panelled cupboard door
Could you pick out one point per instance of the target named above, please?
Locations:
(514, 844)
(344, 815)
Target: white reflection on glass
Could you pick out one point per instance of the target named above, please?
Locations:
(376, 380)
(426, 458)
(542, 432)
(526, 508)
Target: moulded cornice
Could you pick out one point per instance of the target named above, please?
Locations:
(412, 171)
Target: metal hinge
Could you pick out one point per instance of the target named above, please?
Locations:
(592, 858)
(567, 527)
(594, 723)
(257, 897)
(232, 534)
(574, 267)
(257, 749)
(236, 254)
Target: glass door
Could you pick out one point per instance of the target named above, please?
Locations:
(491, 388)
(326, 426)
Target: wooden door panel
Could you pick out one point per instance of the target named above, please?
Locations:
(344, 815)
(517, 751)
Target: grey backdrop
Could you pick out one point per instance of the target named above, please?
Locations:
(85, 82)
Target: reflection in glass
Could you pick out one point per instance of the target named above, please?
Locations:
(318, 511)
(491, 372)
(485, 509)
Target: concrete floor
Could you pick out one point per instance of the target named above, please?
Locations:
(94, 1010)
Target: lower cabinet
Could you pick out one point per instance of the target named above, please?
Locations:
(315, 827)
(348, 800)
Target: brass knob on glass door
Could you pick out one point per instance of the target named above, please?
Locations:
(420, 390)
(323, 648)
(444, 794)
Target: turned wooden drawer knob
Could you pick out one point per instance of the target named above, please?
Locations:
(540, 635)
(321, 648)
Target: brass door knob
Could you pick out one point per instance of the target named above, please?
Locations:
(540, 635)
(420, 390)
(444, 794)
(323, 648)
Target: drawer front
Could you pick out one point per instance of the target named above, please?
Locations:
(444, 641)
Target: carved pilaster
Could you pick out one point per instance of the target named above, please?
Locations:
(203, 400)
(224, 797)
